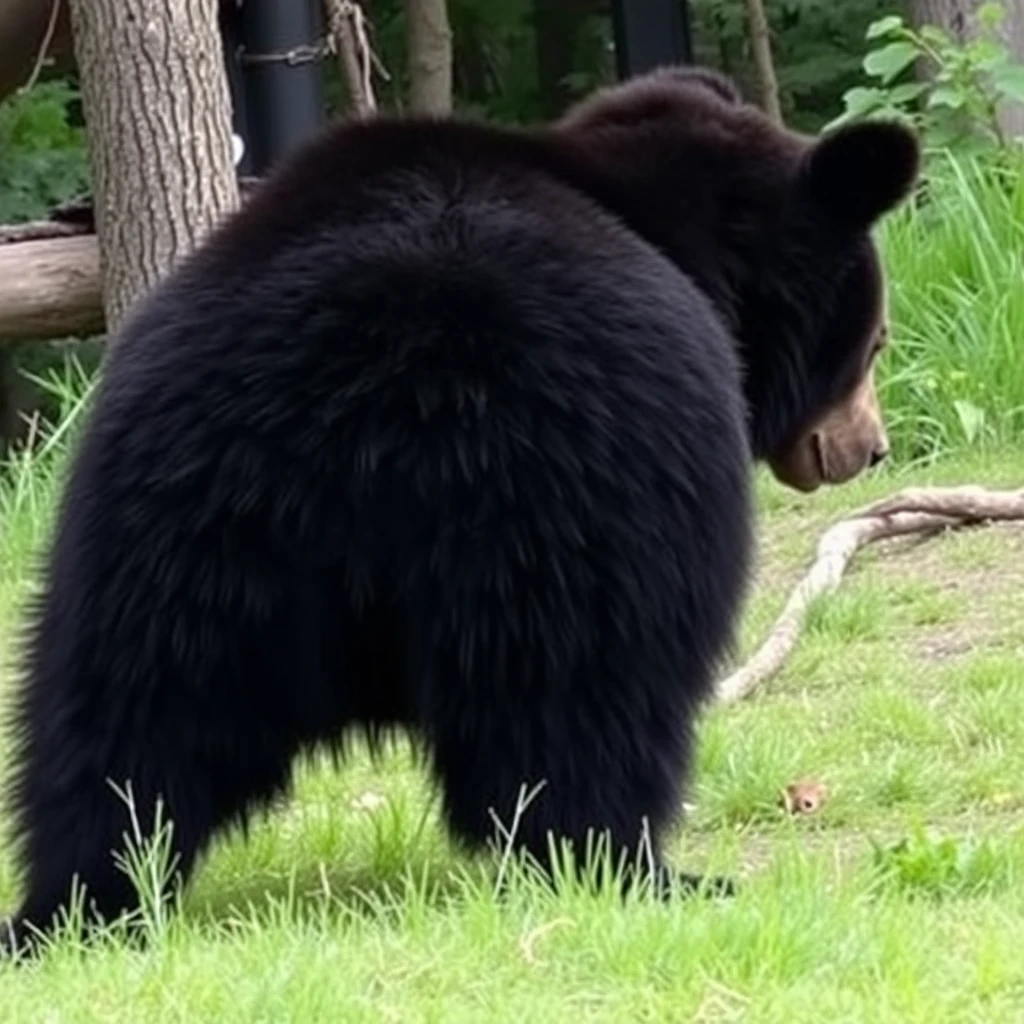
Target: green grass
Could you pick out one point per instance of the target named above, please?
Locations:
(901, 900)
(956, 270)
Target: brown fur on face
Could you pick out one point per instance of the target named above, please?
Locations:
(849, 438)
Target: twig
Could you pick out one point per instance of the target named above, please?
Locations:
(916, 510)
(347, 25)
(44, 47)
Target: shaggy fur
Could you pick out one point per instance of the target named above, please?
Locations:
(449, 429)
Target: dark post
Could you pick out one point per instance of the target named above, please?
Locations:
(282, 44)
(649, 33)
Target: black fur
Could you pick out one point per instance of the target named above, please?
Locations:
(448, 429)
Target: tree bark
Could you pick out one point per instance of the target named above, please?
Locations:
(764, 66)
(955, 16)
(958, 18)
(157, 109)
(429, 41)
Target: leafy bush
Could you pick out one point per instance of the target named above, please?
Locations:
(42, 155)
(955, 103)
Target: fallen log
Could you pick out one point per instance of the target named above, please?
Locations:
(34, 230)
(50, 285)
(50, 288)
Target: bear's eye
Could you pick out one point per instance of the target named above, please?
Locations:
(880, 341)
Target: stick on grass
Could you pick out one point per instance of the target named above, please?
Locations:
(915, 510)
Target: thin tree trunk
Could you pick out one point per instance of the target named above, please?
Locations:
(764, 67)
(157, 109)
(429, 41)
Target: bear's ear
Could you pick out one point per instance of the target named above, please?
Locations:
(861, 171)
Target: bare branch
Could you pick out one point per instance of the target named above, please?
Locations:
(917, 510)
(44, 47)
(347, 25)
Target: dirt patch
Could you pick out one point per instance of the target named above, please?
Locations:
(983, 567)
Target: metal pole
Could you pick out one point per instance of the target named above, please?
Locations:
(650, 33)
(282, 44)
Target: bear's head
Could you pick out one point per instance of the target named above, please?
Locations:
(775, 227)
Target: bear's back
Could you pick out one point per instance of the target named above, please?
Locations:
(407, 245)
(380, 346)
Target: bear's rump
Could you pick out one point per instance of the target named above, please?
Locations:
(515, 460)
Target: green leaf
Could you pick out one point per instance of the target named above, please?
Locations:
(907, 92)
(861, 100)
(890, 60)
(1009, 81)
(990, 15)
(985, 54)
(972, 419)
(934, 36)
(884, 26)
(946, 96)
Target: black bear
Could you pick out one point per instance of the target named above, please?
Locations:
(450, 430)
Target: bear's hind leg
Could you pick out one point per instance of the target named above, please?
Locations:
(202, 709)
(74, 819)
(603, 772)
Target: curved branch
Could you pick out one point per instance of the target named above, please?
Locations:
(916, 510)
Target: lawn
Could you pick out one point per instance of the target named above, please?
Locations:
(902, 899)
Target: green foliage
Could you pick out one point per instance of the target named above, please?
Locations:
(816, 46)
(938, 867)
(42, 155)
(955, 258)
(954, 103)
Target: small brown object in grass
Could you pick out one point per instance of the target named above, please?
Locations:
(803, 797)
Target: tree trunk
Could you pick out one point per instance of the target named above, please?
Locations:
(957, 17)
(157, 108)
(764, 67)
(429, 41)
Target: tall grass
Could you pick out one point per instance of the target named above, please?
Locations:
(954, 375)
